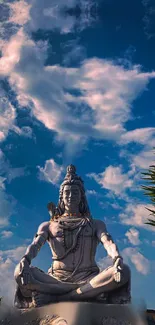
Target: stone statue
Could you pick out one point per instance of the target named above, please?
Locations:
(73, 236)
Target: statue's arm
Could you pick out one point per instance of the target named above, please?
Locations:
(38, 241)
(105, 238)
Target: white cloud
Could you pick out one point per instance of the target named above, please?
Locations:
(138, 162)
(144, 136)
(8, 172)
(141, 263)
(92, 193)
(133, 236)
(15, 173)
(136, 215)
(24, 131)
(8, 262)
(19, 12)
(7, 202)
(74, 52)
(106, 89)
(6, 205)
(143, 159)
(51, 172)
(149, 18)
(112, 179)
(6, 234)
(49, 16)
(7, 115)
(53, 15)
(11, 52)
(102, 108)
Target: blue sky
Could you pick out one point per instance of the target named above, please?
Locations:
(77, 86)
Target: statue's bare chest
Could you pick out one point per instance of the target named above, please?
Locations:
(63, 238)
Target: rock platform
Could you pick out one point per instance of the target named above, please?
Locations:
(75, 314)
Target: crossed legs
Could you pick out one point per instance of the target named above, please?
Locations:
(101, 283)
(47, 284)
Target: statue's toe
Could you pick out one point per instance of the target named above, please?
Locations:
(40, 299)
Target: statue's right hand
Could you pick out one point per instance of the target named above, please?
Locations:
(23, 270)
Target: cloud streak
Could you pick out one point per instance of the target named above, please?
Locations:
(112, 179)
(8, 261)
(141, 263)
(106, 89)
(136, 215)
(133, 236)
(51, 172)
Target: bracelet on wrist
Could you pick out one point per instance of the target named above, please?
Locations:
(115, 258)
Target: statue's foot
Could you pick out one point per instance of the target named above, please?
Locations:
(40, 299)
(21, 302)
(103, 298)
(121, 295)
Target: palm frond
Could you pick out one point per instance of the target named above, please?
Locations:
(149, 190)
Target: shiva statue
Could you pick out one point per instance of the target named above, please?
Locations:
(73, 236)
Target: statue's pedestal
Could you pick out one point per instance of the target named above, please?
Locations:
(80, 314)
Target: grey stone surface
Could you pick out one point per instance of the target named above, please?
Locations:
(78, 314)
(114, 321)
(73, 236)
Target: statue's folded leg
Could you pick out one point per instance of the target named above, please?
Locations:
(102, 283)
(42, 283)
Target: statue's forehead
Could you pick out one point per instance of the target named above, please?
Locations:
(71, 187)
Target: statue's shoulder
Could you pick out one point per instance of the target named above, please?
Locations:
(99, 224)
(44, 227)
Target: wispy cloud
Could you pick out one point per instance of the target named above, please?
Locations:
(112, 179)
(144, 136)
(7, 202)
(8, 262)
(136, 215)
(149, 18)
(51, 172)
(143, 159)
(6, 205)
(133, 236)
(7, 115)
(141, 263)
(105, 89)
(92, 193)
(19, 12)
(6, 234)
(9, 173)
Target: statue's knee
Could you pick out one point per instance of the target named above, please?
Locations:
(18, 275)
(18, 279)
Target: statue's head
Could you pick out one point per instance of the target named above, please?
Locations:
(72, 193)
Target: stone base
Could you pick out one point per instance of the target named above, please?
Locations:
(78, 314)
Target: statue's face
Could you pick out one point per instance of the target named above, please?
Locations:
(71, 196)
(71, 169)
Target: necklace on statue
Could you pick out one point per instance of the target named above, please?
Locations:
(69, 236)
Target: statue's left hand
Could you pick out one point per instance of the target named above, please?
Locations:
(118, 270)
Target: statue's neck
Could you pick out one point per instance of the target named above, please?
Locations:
(72, 212)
